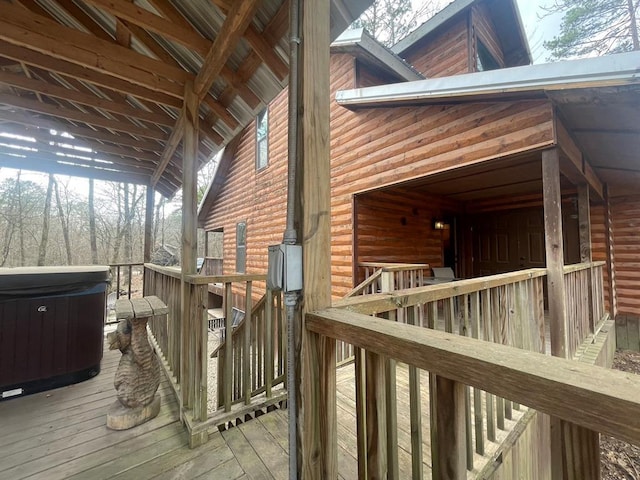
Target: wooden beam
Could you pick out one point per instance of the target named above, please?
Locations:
(43, 136)
(316, 414)
(148, 223)
(554, 251)
(170, 148)
(89, 100)
(604, 400)
(576, 168)
(22, 28)
(47, 166)
(24, 119)
(154, 23)
(450, 430)
(30, 57)
(609, 242)
(266, 52)
(76, 115)
(584, 223)
(234, 25)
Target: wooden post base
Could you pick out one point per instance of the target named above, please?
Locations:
(120, 417)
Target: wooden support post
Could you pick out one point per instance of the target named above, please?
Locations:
(375, 416)
(314, 358)
(452, 464)
(188, 251)
(608, 235)
(554, 251)
(148, 223)
(581, 452)
(584, 222)
(555, 284)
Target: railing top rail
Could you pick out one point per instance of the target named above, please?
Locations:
(599, 399)
(582, 266)
(168, 271)
(395, 267)
(385, 302)
(206, 279)
(130, 264)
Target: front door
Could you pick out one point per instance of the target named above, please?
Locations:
(514, 240)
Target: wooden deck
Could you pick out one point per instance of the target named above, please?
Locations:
(62, 434)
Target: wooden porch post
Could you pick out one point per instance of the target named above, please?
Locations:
(315, 355)
(584, 222)
(554, 251)
(574, 450)
(189, 234)
(148, 223)
(608, 234)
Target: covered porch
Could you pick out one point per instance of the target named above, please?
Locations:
(324, 440)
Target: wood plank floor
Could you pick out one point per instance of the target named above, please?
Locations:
(62, 434)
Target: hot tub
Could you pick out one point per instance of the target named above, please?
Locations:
(51, 326)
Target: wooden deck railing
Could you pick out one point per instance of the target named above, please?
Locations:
(584, 299)
(166, 284)
(126, 281)
(506, 309)
(250, 369)
(586, 399)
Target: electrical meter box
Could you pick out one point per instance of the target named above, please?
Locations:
(284, 271)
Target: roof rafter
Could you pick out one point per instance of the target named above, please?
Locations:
(76, 115)
(89, 100)
(30, 57)
(24, 28)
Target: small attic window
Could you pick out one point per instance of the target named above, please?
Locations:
(485, 60)
(262, 139)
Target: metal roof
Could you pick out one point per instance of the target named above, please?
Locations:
(598, 100)
(112, 74)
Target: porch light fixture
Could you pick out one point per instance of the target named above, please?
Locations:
(439, 224)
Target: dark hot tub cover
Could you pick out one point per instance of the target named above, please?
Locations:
(36, 281)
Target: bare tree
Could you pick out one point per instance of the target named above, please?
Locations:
(64, 223)
(92, 223)
(42, 250)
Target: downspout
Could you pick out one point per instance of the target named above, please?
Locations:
(290, 234)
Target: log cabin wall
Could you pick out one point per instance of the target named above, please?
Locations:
(483, 29)
(370, 148)
(625, 212)
(396, 225)
(257, 197)
(444, 53)
(367, 76)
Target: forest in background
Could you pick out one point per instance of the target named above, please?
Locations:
(53, 222)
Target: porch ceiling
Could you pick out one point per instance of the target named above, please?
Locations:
(112, 75)
(605, 123)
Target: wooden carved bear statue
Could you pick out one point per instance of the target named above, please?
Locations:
(138, 375)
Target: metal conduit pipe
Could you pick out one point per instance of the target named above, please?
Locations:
(290, 235)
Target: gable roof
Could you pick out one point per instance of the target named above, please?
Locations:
(507, 21)
(361, 44)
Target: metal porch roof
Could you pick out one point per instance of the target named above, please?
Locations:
(111, 75)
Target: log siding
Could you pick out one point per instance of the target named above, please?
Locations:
(370, 149)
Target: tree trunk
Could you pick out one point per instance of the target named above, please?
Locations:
(127, 226)
(42, 251)
(20, 220)
(11, 224)
(634, 25)
(92, 223)
(64, 223)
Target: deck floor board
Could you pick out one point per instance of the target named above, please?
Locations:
(62, 434)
